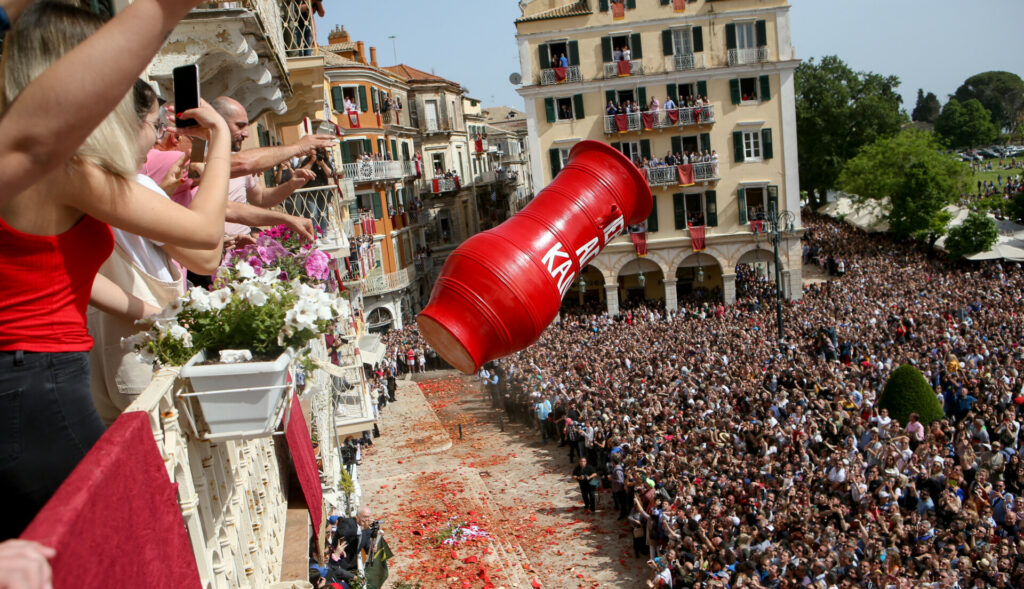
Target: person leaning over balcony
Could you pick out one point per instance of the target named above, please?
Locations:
(320, 165)
(42, 130)
(669, 103)
(55, 235)
(304, 25)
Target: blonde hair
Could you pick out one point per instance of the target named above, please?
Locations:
(43, 34)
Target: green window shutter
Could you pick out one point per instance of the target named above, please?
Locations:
(346, 153)
(577, 103)
(702, 87)
(394, 149)
(606, 49)
(609, 96)
(705, 141)
(636, 49)
(652, 220)
(556, 162)
(549, 109)
(378, 208)
(631, 4)
(545, 56)
(734, 90)
(664, 2)
(711, 208)
(362, 99)
(617, 146)
(741, 200)
(762, 33)
(698, 40)
(679, 209)
(641, 97)
(375, 99)
(773, 197)
(574, 53)
(677, 145)
(766, 87)
(730, 36)
(645, 148)
(367, 146)
(766, 144)
(671, 89)
(666, 42)
(737, 146)
(337, 100)
(405, 151)
(603, 6)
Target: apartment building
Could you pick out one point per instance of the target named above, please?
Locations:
(508, 132)
(728, 66)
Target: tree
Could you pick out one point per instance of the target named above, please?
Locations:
(965, 125)
(1001, 93)
(838, 111)
(978, 233)
(912, 171)
(908, 392)
(927, 108)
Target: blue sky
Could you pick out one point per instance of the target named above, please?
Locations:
(933, 44)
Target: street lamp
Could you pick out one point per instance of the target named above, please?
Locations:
(779, 224)
(583, 288)
(700, 271)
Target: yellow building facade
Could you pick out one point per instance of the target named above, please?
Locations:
(727, 68)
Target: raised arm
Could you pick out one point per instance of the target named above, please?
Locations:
(262, 196)
(253, 216)
(256, 160)
(44, 126)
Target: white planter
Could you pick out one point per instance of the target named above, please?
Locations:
(239, 400)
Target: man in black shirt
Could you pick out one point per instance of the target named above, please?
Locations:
(584, 475)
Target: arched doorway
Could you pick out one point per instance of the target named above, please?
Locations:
(586, 292)
(380, 320)
(755, 273)
(641, 281)
(699, 280)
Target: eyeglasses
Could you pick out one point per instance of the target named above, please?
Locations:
(160, 127)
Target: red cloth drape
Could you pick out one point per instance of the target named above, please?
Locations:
(304, 461)
(618, 10)
(648, 118)
(115, 522)
(378, 120)
(697, 237)
(673, 115)
(621, 123)
(560, 74)
(679, 5)
(479, 144)
(368, 228)
(458, 186)
(639, 242)
(685, 174)
(757, 226)
(624, 68)
(353, 120)
(435, 185)
(419, 169)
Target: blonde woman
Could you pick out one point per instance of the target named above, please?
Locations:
(55, 234)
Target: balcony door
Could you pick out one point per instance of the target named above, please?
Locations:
(682, 42)
(430, 106)
(746, 36)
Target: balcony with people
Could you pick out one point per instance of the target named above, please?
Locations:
(622, 55)
(624, 115)
(559, 62)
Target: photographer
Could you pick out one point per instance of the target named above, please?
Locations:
(315, 202)
(586, 476)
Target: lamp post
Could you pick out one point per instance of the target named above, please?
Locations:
(779, 224)
(583, 288)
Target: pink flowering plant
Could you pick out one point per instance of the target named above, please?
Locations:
(278, 248)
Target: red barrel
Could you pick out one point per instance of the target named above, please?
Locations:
(499, 290)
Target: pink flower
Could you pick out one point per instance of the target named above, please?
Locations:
(316, 265)
(257, 265)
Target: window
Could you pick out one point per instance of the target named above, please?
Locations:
(563, 108)
(614, 47)
(756, 205)
(750, 90)
(430, 108)
(552, 54)
(437, 160)
(754, 145)
(558, 157)
(751, 146)
(698, 209)
(746, 37)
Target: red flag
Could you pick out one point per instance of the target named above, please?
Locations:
(639, 242)
(648, 118)
(560, 74)
(673, 115)
(353, 120)
(757, 226)
(679, 5)
(436, 186)
(621, 123)
(479, 143)
(697, 237)
(685, 174)
(625, 68)
(618, 10)
(378, 119)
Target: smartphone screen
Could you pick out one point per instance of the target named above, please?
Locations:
(186, 92)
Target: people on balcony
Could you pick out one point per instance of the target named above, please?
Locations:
(563, 61)
(304, 24)
(314, 205)
(654, 105)
(55, 234)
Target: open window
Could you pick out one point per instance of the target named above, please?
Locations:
(350, 97)
(563, 109)
(757, 203)
(438, 164)
(614, 46)
(695, 210)
(750, 90)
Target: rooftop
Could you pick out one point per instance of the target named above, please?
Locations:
(577, 8)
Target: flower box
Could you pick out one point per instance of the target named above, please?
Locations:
(238, 401)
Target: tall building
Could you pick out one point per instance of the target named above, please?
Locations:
(728, 67)
(508, 129)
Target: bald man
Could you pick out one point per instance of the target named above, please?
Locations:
(356, 533)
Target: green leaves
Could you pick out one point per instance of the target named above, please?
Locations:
(1001, 93)
(978, 233)
(965, 125)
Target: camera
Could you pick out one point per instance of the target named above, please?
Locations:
(374, 528)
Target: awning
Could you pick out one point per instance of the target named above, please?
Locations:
(371, 350)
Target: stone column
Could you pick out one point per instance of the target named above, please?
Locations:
(611, 292)
(796, 284)
(671, 302)
(729, 288)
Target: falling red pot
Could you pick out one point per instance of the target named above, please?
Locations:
(499, 290)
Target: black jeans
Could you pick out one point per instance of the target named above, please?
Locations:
(47, 424)
(588, 496)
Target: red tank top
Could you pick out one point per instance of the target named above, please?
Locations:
(45, 284)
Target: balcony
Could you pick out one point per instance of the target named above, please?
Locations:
(392, 117)
(661, 119)
(506, 176)
(385, 283)
(616, 69)
(442, 185)
(669, 175)
(374, 171)
(749, 55)
(684, 63)
(549, 76)
(297, 42)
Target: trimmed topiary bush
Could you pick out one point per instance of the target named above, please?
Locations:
(908, 392)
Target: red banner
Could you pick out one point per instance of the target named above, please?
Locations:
(378, 120)
(673, 115)
(479, 144)
(353, 120)
(625, 68)
(685, 174)
(648, 118)
(435, 185)
(618, 10)
(560, 74)
(697, 237)
(757, 226)
(639, 242)
(368, 226)
(115, 521)
(699, 114)
(419, 169)
(300, 447)
(679, 5)
(621, 123)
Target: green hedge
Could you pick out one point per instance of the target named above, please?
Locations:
(908, 392)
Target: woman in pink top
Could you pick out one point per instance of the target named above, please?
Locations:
(915, 429)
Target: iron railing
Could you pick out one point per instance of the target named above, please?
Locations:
(749, 55)
(548, 76)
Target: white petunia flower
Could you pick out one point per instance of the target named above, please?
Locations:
(220, 298)
(134, 341)
(145, 356)
(245, 270)
(256, 297)
(199, 299)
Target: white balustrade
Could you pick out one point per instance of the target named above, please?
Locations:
(748, 55)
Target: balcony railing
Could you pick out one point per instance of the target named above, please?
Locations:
(661, 119)
(506, 176)
(322, 205)
(549, 76)
(669, 175)
(391, 117)
(684, 62)
(441, 185)
(373, 171)
(750, 55)
(383, 283)
(613, 70)
(298, 39)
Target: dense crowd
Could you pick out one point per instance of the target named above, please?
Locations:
(737, 464)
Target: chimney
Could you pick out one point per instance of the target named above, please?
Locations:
(359, 52)
(373, 56)
(338, 35)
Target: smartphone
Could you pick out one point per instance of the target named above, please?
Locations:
(186, 92)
